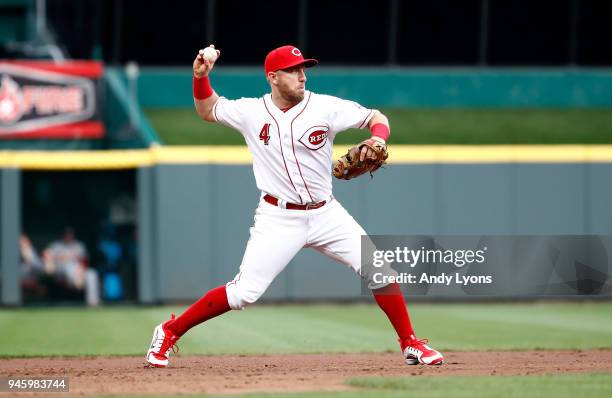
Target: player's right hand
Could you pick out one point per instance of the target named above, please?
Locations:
(201, 66)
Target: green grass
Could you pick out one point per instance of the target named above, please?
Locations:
(558, 386)
(425, 126)
(308, 329)
(586, 385)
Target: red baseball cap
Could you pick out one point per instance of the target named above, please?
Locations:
(286, 57)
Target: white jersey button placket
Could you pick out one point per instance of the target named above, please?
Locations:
(292, 166)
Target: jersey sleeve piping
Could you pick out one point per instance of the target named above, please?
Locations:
(367, 119)
(215, 110)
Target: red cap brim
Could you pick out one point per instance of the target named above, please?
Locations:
(309, 62)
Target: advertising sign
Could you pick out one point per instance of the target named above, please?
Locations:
(50, 101)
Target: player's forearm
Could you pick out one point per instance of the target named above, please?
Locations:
(376, 118)
(204, 107)
(379, 126)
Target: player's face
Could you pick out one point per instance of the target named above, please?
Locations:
(291, 83)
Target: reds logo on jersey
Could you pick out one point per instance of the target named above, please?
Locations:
(315, 137)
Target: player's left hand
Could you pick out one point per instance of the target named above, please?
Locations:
(368, 156)
(366, 153)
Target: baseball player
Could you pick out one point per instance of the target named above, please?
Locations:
(289, 133)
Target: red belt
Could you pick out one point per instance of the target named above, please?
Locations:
(293, 206)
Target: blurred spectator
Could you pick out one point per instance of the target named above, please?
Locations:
(68, 261)
(32, 269)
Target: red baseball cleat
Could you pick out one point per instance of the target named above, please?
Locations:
(418, 352)
(163, 341)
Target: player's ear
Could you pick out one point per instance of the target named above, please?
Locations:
(272, 77)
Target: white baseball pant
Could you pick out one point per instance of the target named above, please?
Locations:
(278, 234)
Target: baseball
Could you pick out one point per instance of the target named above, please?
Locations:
(209, 53)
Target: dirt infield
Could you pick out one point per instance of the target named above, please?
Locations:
(278, 373)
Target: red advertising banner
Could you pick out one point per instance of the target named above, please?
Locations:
(41, 99)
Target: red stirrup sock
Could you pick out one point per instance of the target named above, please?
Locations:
(212, 304)
(391, 300)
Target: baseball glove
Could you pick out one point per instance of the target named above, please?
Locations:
(350, 166)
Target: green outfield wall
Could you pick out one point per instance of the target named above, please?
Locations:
(199, 216)
(194, 216)
(10, 227)
(402, 87)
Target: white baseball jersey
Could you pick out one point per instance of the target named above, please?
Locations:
(292, 150)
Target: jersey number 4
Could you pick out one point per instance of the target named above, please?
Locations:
(264, 134)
